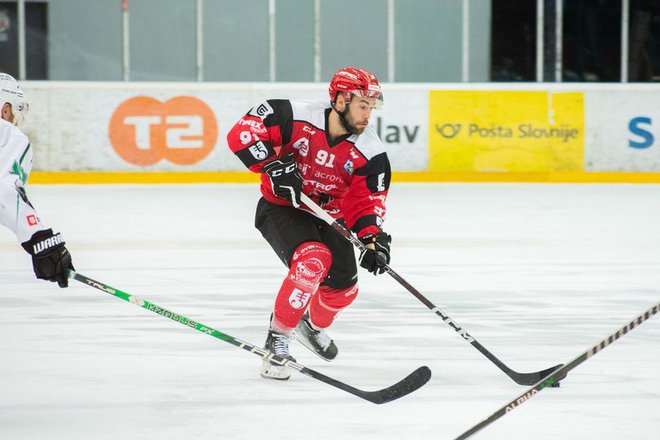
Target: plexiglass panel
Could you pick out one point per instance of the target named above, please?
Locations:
(85, 40)
(294, 40)
(236, 42)
(162, 40)
(354, 33)
(428, 40)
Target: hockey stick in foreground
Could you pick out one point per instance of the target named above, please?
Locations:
(414, 381)
(553, 377)
(519, 378)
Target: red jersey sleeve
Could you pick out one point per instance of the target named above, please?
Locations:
(364, 204)
(259, 135)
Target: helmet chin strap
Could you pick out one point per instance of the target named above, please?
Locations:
(342, 118)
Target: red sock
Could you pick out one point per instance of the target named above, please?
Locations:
(327, 303)
(309, 266)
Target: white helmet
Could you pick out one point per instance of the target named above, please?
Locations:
(11, 92)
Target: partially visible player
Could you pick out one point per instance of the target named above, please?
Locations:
(328, 151)
(50, 257)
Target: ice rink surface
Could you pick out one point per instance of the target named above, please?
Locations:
(536, 273)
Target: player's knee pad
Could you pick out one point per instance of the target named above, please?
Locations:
(310, 263)
(328, 302)
(309, 266)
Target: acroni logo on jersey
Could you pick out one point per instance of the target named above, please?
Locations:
(641, 128)
(144, 130)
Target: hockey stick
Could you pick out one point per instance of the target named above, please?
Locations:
(519, 378)
(412, 382)
(555, 375)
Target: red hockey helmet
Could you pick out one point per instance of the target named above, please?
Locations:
(352, 81)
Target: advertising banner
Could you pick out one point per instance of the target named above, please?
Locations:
(432, 132)
(183, 127)
(506, 131)
(624, 131)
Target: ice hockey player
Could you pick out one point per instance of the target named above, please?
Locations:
(328, 151)
(50, 257)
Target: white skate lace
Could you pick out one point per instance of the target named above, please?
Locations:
(322, 339)
(281, 345)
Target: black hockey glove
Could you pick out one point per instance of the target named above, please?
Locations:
(377, 254)
(50, 258)
(285, 178)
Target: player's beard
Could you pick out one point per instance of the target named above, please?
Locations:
(351, 125)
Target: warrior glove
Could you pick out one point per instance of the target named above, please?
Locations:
(50, 258)
(285, 178)
(377, 253)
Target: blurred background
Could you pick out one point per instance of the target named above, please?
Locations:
(475, 90)
(308, 40)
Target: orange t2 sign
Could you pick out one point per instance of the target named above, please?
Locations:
(144, 130)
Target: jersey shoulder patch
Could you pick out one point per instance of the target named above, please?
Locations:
(272, 111)
(262, 110)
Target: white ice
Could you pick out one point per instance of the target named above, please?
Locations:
(537, 273)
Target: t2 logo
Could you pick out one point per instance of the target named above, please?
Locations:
(144, 130)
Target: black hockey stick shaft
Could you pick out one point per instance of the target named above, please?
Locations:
(412, 382)
(558, 374)
(519, 378)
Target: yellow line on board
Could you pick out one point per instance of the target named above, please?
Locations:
(554, 177)
(89, 177)
(69, 177)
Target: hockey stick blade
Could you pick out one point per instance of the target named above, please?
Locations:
(532, 378)
(555, 376)
(405, 386)
(412, 382)
(519, 378)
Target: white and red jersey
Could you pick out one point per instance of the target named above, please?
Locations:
(16, 211)
(349, 179)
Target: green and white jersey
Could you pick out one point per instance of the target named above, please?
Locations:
(16, 211)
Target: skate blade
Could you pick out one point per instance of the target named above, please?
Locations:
(305, 343)
(277, 372)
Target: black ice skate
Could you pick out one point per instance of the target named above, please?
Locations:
(317, 341)
(277, 343)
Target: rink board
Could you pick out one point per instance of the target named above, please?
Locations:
(176, 132)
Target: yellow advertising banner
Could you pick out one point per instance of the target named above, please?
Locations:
(510, 131)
